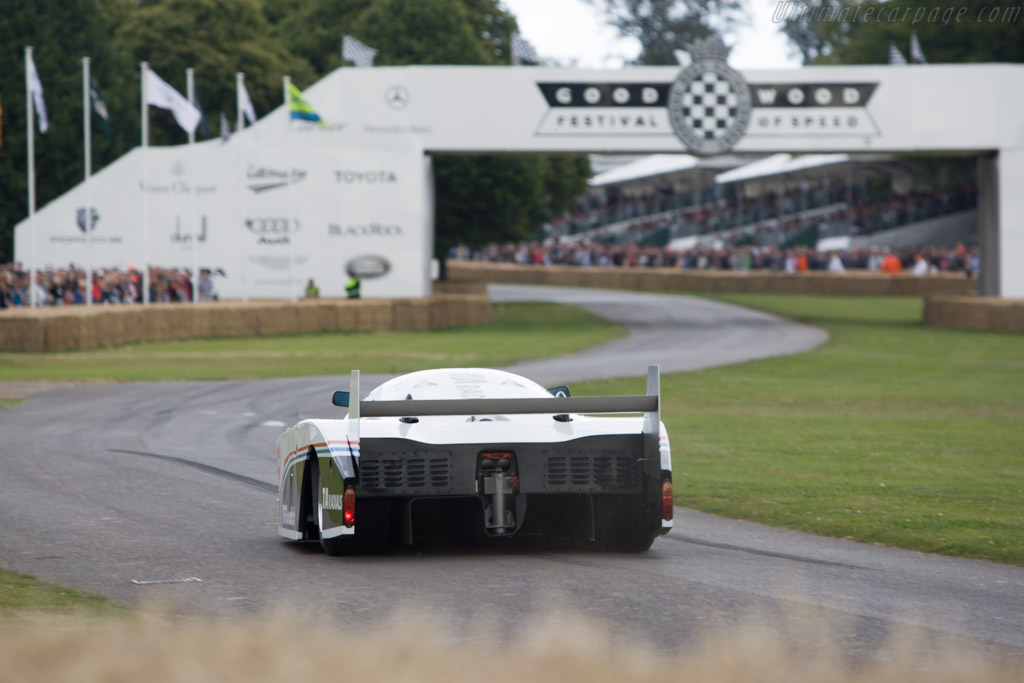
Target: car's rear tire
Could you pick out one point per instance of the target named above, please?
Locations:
(339, 545)
(621, 529)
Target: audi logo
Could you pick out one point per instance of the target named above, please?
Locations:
(272, 226)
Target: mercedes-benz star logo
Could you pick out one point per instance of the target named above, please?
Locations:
(396, 97)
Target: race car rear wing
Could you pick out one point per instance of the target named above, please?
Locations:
(648, 404)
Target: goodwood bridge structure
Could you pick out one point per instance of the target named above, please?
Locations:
(284, 201)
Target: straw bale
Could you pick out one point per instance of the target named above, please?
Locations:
(439, 312)
(478, 310)
(312, 316)
(344, 315)
(373, 314)
(238, 320)
(411, 314)
(277, 318)
(1008, 317)
(975, 313)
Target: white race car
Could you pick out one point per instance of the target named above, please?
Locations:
(479, 452)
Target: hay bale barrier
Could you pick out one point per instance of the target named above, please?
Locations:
(69, 328)
(975, 313)
(718, 281)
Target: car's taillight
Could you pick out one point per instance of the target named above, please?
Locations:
(666, 500)
(496, 456)
(349, 506)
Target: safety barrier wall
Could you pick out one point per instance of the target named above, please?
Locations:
(975, 313)
(65, 328)
(674, 279)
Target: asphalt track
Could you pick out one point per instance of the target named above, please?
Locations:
(102, 486)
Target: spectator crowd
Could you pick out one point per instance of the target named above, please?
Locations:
(723, 256)
(69, 286)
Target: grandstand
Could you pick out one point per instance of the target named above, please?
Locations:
(827, 201)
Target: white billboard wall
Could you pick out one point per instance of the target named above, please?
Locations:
(264, 217)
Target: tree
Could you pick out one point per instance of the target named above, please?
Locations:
(217, 38)
(312, 29)
(663, 26)
(62, 33)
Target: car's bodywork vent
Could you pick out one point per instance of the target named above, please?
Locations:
(406, 473)
(576, 470)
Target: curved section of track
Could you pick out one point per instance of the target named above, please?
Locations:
(101, 486)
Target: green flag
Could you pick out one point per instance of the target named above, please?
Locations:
(300, 109)
(100, 107)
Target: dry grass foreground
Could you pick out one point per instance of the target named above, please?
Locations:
(157, 647)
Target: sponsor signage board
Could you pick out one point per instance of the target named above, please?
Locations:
(264, 218)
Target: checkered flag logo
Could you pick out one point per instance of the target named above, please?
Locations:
(522, 51)
(709, 103)
(357, 52)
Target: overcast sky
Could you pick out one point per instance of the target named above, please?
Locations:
(574, 30)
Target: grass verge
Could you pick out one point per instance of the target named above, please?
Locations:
(892, 432)
(22, 595)
(518, 331)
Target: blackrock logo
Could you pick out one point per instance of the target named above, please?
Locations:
(380, 177)
(709, 106)
(368, 267)
(261, 178)
(364, 230)
(273, 231)
(709, 103)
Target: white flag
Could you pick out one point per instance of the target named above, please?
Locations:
(356, 52)
(160, 94)
(35, 86)
(895, 56)
(522, 50)
(916, 53)
(245, 104)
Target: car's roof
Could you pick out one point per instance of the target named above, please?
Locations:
(455, 383)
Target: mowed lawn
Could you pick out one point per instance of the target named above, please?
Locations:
(518, 331)
(892, 432)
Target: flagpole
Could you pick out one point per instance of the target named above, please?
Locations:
(239, 84)
(190, 89)
(143, 227)
(87, 146)
(30, 122)
(292, 227)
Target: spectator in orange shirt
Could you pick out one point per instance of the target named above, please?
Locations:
(891, 264)
(801, 261)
